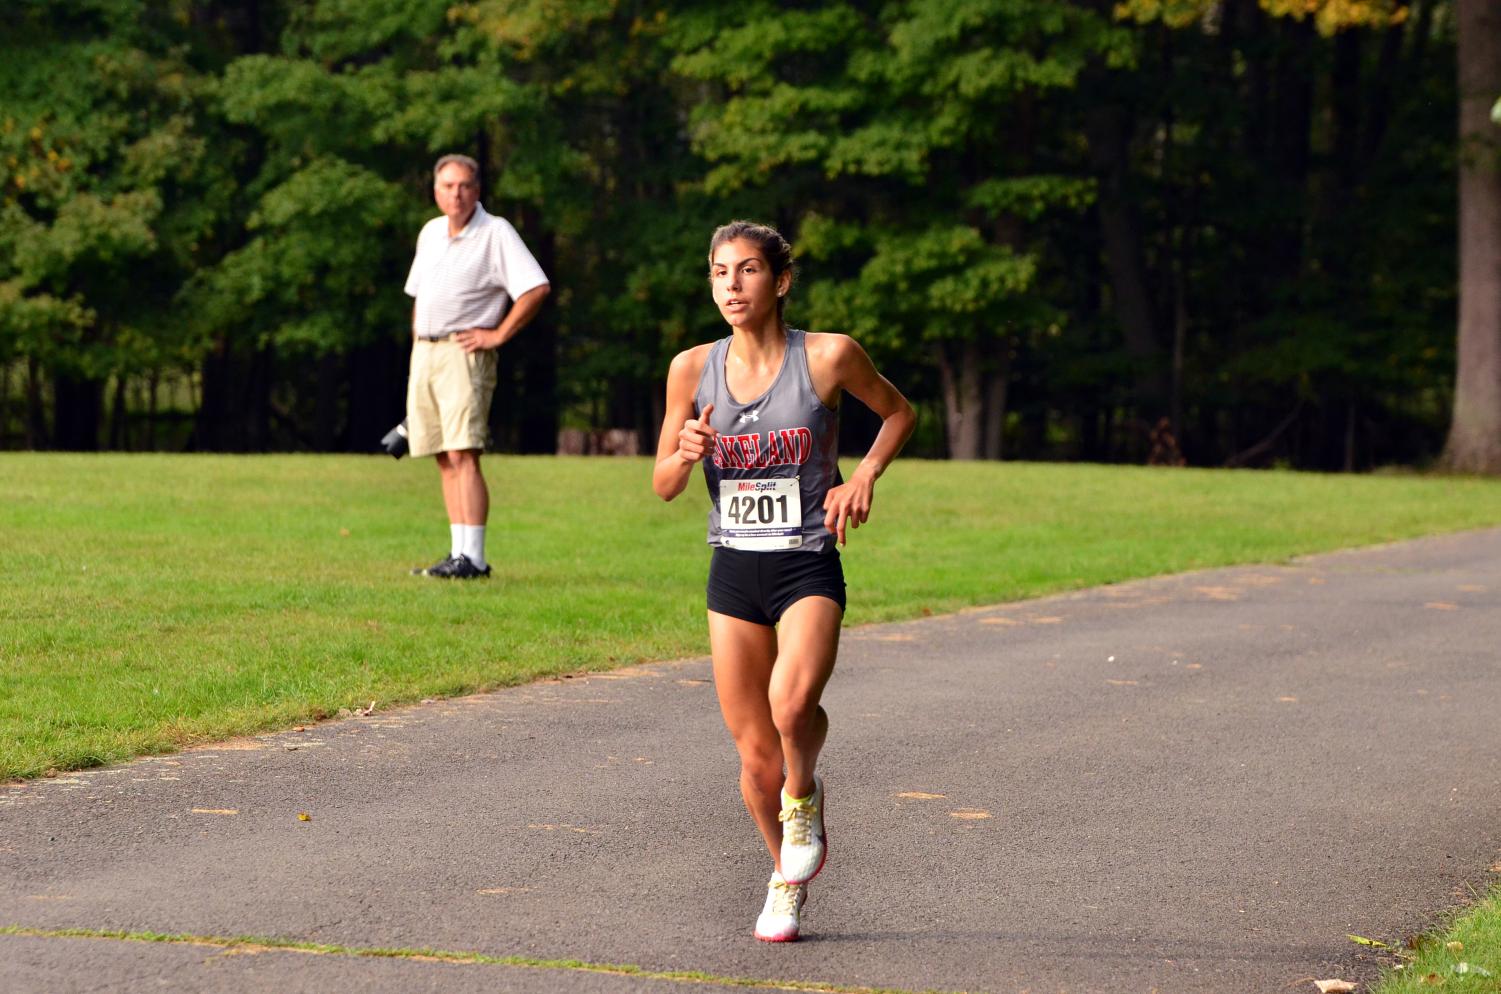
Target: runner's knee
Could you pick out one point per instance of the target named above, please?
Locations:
(761, 761)
(793, 714)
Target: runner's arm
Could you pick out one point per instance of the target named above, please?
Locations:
(855, 374)
(684, 439)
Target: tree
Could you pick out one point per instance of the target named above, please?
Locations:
(105, 201)
(606, 162)
(1474, 444)
(904, 145)
(339, 120)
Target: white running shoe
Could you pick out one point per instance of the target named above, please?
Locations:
(784, 906)
(804, 842)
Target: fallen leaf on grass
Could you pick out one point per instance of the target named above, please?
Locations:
(1433, 980)
(1363, 941)
(1329, 986)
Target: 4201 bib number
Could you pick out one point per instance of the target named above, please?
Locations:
(761, 515)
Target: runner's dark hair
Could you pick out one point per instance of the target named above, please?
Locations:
(769, 240)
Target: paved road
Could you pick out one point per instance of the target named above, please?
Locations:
(1193, 783)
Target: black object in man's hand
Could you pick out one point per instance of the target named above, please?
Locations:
(395, 440)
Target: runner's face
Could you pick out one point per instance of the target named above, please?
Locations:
(744, 288)
(456, 190)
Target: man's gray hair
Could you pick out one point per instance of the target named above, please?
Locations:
(462, 160)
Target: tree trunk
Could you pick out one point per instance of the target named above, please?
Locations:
(995, 411)
(151, 385)
(118, 425)
(36, 420)
(1474, 444)
(1388, 79)
(1291, 151)
(1106, 127)
(962, 401)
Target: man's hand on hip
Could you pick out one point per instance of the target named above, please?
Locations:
(476, 339)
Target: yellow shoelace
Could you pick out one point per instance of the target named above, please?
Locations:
(784, 901)
(799, 821)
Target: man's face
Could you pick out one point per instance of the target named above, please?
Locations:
(456, 190)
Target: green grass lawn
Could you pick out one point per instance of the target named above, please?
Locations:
(151, 601)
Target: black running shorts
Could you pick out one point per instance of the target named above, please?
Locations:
(759, 586)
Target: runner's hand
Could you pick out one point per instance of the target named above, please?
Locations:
(848, 503)
(696, 440)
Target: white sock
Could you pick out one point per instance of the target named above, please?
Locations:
(474, 544)
(456, 539)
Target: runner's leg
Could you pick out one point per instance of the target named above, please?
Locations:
(744, 655)
(808, 642)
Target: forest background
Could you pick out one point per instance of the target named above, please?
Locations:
(1223, 231)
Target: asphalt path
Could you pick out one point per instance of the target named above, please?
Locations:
(1202, 782)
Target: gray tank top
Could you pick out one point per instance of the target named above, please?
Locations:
(786, 434)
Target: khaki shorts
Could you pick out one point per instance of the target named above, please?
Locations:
(448, 397)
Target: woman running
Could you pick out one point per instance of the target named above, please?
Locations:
(759, 410)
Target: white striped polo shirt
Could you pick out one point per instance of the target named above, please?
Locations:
(470, 279)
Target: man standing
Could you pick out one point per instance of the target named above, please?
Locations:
(476, 285)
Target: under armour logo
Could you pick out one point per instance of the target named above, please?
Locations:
(751, 416)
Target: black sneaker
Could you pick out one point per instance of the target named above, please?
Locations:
(462, 568)
(438, 568)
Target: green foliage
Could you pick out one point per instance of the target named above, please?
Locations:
(1329, 16)
(321, 243)
(101, 162)
(893, 140)
(227, 195)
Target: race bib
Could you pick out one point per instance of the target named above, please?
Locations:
(761, 515)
